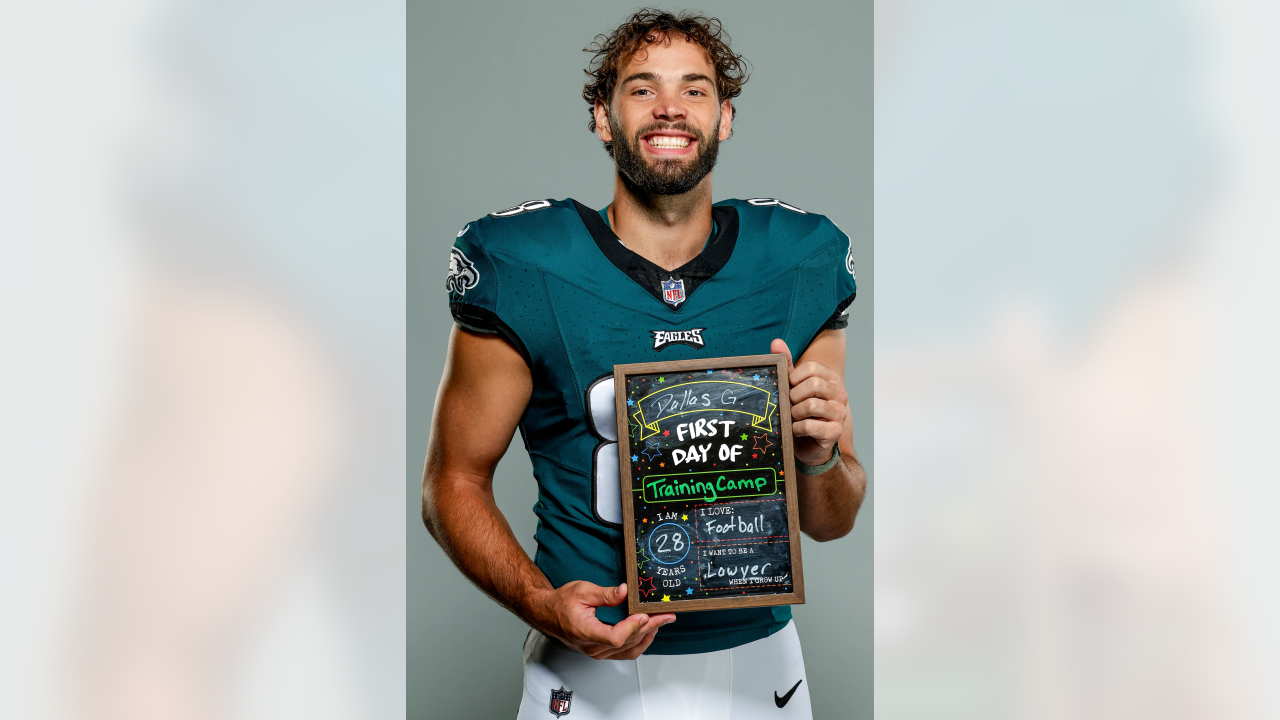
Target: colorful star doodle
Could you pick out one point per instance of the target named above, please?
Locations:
(634, 458)
(662, 379)
(709, 372)
(666, 598)
(762, 439)
(651, 451)
(647, 590)
(630, 401)
(744, 436)
(755, 377)
(662, 464)
(688, 591)
(666, 433)
(684, 517)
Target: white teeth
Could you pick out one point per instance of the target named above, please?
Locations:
(667, 141)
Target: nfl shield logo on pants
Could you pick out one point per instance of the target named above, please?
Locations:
(673, 291)
(560, 701)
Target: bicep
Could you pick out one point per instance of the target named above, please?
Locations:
(828, 350)
(483, 394)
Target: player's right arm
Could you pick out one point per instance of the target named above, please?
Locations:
(483, 393)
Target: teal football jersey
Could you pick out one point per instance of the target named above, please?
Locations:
(555, 281)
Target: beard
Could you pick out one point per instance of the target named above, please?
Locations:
(663, 176)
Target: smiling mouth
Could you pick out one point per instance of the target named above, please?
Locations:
(667, 141)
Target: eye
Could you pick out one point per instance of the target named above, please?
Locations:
(696, 92)
(642, 91)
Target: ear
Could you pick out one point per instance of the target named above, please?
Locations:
(602, 122)
(726, 120)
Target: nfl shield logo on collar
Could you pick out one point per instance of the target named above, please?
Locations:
(673, 291)
(560, 701)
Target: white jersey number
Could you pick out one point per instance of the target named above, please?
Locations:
(524, 207)
(606, 482)
(766, 202)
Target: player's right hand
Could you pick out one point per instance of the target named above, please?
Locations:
(569, 614)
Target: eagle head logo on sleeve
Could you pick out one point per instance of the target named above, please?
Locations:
(462, 273)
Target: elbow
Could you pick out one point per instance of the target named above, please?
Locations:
(832, 532)
(430, 507)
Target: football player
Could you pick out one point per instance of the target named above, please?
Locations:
(547, 296)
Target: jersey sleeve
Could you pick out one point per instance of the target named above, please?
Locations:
(846, 283)
(472, 283)
(473, 286)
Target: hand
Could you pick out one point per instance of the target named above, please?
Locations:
(570, 615)
(819, 406)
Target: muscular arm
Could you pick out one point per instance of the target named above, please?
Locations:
(214, 372)
(820, 418)
(483, 393)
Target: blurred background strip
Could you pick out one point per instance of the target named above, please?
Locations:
(1076, 227)
(202, 279)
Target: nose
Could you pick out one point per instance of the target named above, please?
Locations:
(669, 107)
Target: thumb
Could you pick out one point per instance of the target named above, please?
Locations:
(610, 596)
(779, 346)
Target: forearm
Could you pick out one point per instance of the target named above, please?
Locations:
(463, 517)
(829, 502)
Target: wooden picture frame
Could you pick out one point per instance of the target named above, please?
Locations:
(789, 590)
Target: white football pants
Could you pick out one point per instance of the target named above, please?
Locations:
(762, 680)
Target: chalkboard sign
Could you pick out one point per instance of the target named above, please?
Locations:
(709, 510)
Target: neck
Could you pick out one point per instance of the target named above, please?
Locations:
(666, 230)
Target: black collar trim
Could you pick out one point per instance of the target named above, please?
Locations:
(648, 275)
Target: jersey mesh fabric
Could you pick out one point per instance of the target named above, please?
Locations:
(541, 279)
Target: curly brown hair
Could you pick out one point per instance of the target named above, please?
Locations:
(651, 25)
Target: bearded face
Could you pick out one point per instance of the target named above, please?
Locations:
(658, 175)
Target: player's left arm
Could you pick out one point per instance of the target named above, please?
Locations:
(820, 418)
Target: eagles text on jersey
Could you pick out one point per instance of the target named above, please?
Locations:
(554, 280)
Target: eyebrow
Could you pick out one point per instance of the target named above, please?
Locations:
(646, 76)
(652, 77)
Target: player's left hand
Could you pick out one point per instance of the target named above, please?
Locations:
(819, 406)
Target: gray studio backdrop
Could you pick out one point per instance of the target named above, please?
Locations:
(496, 118)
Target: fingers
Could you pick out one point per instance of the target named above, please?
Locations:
(592, 637)
(824, 432)
(779, 346)
(629, 631)
(818, 387)
(623, 636)
(637, 636)
(819, 409)
(635, 651)
(636, 646)
(810, 369)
